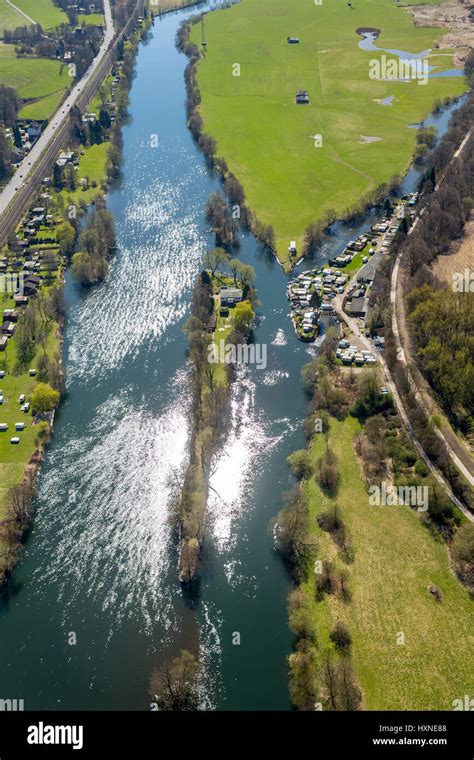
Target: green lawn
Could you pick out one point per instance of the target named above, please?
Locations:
(9, 17)
(43, 12)
(267, 139)
(41, 80)
(90, 19)
(7, 51)
(395, 559)
(93, 166)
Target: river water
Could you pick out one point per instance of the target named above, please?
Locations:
(95, 604)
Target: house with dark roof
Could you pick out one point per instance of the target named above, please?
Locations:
(230, 296)
(357, 307)
(302, 97)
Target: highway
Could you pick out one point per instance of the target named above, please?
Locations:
(23, 187)
(27, 167)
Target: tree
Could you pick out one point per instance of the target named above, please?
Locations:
(462, 551)
(341, 637)
(215, 260)
(66, 237)
(44, 398)
(174, 687)
(294, 535)
(18, 503)
(57, 177)
(300, 464)
(247, 274)
(327, 473)
(243, 316)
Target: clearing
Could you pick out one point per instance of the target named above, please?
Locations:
(41, 81)
(458, 260)
(249, 77)
(43, 12)
(396, 558)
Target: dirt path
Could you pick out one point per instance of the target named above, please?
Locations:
(18, 10)
(457, 449)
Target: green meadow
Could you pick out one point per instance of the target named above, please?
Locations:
(93, 166)
(43, 12)
(90, 19)
(396, 558)
(9, 17)
(268, 140)
(13, 458)
(38, 80)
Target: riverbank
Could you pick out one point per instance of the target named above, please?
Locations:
(378, 600)
(211, 329)
(168, 6)
(325, 138)
(54, 234)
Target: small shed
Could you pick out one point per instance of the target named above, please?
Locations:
(302, 97)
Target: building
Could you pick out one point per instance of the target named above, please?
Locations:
(230, 296)
(357, 307)
(10, 315)
(8, 328)
(302, 97)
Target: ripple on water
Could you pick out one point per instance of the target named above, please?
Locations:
(147, 288)
(238, 464)
(114, 546)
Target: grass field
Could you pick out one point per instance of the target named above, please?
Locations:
(90, 19)
(43, 12)
(268, 140)
(9, 17)
(39, 79)
(92, 165)
(396, 558)
(13, 458)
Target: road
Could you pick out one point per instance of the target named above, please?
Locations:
(15, 199)
(457, 452)
(27, 167)
(353, 325)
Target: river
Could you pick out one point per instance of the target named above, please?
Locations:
(95, 604)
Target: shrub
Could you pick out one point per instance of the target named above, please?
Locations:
(300, 464)
(341, 637)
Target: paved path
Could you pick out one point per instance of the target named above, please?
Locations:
(18, 10)
(353, 325)
(457, 452)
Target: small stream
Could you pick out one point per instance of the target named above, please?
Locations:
(367, 43)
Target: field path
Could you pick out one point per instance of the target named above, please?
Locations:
(18, 10)
(456, 448)
(339, 160)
